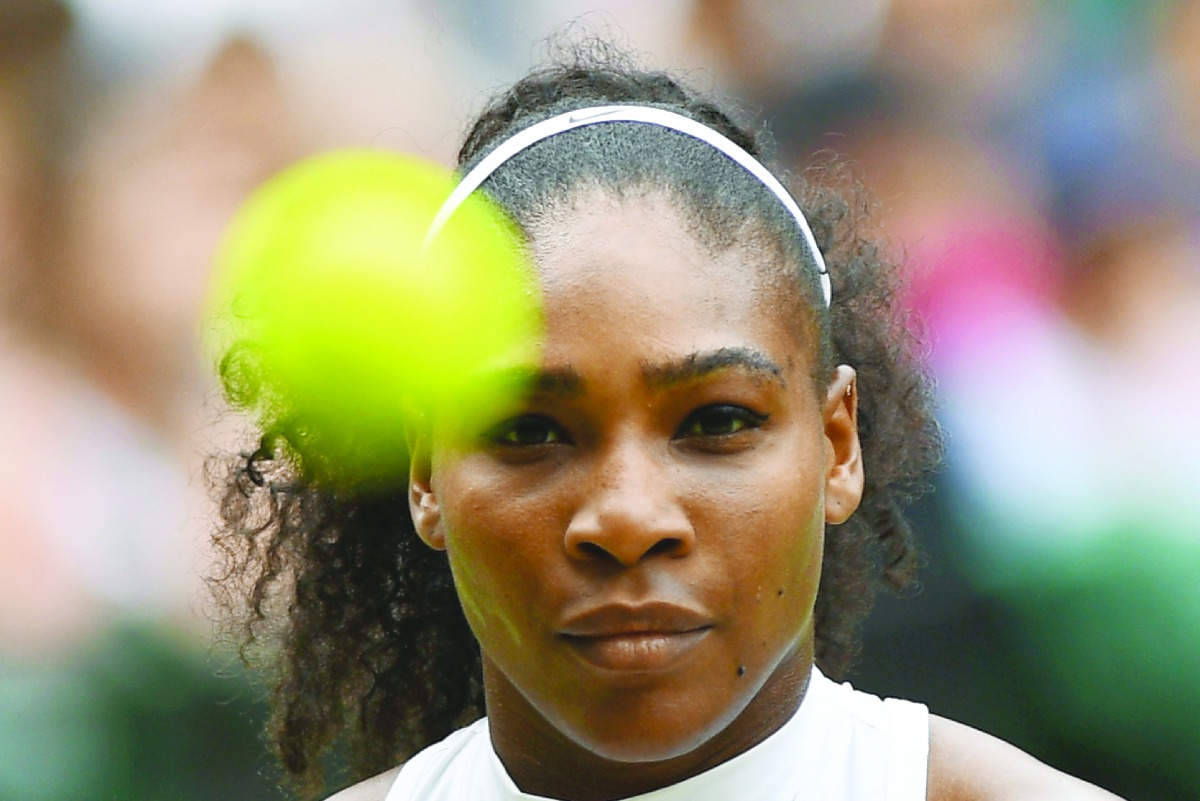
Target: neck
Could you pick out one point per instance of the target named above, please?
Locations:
(544, 761)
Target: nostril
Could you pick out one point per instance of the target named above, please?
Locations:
(598, 550)
(665, 547)
(593, 550)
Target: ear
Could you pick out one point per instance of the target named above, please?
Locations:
(844, 479)
(422, 500)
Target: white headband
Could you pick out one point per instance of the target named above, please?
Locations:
(645, 114)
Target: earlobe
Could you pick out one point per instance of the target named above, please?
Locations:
(844, 479)
(422, 500)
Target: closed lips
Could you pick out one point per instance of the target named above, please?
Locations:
(641, 640)
(646, 619)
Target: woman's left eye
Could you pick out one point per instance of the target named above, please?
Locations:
(720, 420)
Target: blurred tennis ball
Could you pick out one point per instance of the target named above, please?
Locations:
(333, 321)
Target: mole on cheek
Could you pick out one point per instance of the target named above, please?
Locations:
(741, 671)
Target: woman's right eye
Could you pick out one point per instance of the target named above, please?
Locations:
(527, 431)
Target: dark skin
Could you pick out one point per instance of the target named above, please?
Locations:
(637, 546)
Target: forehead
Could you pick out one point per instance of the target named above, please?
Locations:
(630, 268)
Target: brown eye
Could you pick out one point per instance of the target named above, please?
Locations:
(721, 420)
(527, 431)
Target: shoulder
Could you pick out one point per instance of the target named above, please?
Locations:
(967, 765)
(372, 789)
(429, 771)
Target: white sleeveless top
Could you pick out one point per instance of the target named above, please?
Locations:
(841, 745)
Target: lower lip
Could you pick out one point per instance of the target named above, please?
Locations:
(644, 652)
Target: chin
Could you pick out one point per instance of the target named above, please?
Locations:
(650, 733)
(644, 748)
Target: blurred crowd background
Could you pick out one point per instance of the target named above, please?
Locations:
(1035, 162)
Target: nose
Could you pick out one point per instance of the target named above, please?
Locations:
(631, 511)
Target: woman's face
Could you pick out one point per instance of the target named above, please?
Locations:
(638, 548)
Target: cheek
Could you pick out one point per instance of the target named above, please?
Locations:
(485, 600)
(774, 558)
(496, 553)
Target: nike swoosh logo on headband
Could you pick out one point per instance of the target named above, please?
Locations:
(576, 119)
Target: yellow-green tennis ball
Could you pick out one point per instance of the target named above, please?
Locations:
(335, 320)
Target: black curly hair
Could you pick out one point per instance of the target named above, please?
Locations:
(358, 619)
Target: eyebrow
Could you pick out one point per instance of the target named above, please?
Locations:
(703, 363)
(566, 382)
(563, 381)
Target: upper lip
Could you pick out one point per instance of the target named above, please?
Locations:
(614, 620)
